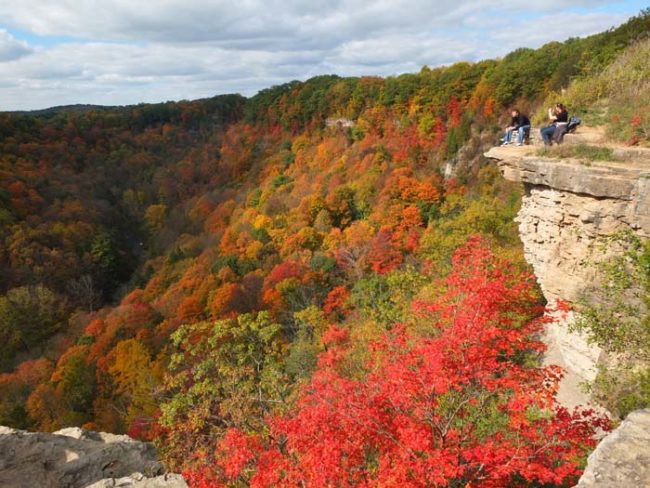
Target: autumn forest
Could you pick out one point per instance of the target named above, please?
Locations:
(319, 285)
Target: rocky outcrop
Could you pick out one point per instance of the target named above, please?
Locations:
(622, 459)
(568, 209)
(138, 480)
(74, 457)
(340, 122)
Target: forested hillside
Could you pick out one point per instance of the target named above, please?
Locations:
(81, 195)
(320, 284)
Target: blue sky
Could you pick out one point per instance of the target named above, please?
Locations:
(55, 52)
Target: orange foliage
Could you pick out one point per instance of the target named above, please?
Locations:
(224, 300)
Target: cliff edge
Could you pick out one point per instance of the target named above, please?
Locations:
(568, 206)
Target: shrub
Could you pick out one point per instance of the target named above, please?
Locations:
(616, 316)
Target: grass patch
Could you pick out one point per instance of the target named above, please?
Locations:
(583, 152)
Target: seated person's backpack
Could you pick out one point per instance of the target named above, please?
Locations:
(563, 129)
(560, 130)
(573, 124)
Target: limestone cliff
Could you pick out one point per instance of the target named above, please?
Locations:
(73, 457)
(567, 210)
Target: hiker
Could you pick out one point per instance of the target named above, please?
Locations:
(519, 123)
(559, 118)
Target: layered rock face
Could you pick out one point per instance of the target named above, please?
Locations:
(75, 458)
(568, 210)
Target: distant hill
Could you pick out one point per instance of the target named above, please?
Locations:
(63, 108)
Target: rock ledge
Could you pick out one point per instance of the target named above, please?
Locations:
(568, 210)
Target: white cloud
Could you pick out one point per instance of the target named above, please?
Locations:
(267, 23)
(123, 51)
(10, 48)
(557, 26)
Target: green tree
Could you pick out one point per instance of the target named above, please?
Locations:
(28, 315)
(223, 374)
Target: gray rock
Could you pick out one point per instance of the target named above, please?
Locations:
(622, 459)
(76, 458)
(138, 480)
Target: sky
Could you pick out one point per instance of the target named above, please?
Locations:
(119, 52)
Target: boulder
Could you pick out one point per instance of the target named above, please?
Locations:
(77, 458)
(622, 459)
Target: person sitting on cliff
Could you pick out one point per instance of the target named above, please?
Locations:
(519, 123)
(559, 118)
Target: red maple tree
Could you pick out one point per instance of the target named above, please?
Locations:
(465, 407)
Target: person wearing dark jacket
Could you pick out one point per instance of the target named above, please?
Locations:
(559, 118)
(519, 123)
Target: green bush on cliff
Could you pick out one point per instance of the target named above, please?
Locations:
(616, 316)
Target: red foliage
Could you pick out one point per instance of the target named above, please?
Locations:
(384, 256)
(563, 306)
(284, 271)
(412, 241)
(335, 340)
(488, 107)
(139, 429)
(440, 132)
(455, 112)
(408, 144)
(336, 300)
(29, 373)
(460, 408)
